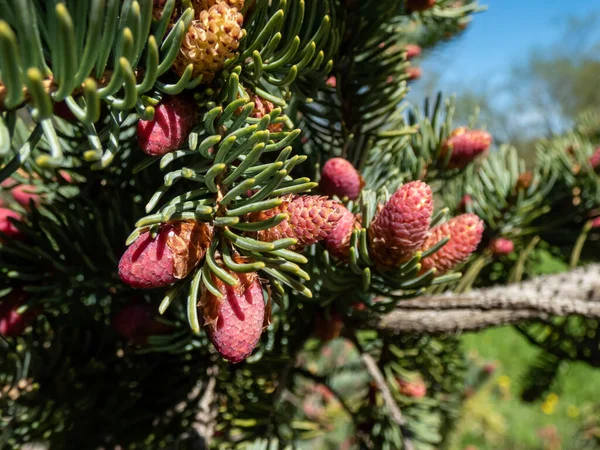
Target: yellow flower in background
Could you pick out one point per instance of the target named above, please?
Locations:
(573, 411)
(504, 381)
(552, 397)
(548, 407)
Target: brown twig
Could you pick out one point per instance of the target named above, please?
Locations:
(571, 293)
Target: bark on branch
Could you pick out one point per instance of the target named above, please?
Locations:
(571, 293)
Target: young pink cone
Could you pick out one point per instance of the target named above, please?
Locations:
(465, 146)
(502, 246)
(413, 51)
(465, 201)
(413, 388)
(400, 227)
(596, 222)
(595, 160)
(135, 323)
(170, 128)
(11, 322)
(311, 218)
(414, 73)
(6, 226)
(236, 321)
(177, 248)
(337, 242)
(465, 233)
(24, 194)
(339, 177)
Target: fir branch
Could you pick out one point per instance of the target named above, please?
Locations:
(571, 293)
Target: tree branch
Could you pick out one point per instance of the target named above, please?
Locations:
(571, 293)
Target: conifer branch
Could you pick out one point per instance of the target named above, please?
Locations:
(571, 293)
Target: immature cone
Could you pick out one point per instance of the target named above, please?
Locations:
(465, 201)
(136, 323)
(211, 39)
(419, 5)
(414, 73)
(339, 177)
(465, 146)
(412, 51)
(200, 5)
(465, 233)
(595, 160)
(11, 322)
(178, 247)
(524, 181)
(327, 329)
(311, 218)
(169, 129)
(235, 322)
(24, 194)
(502, 246)
(337, 242)
(413, 388)
(596, 222)
(261, 109)
(400, 227)
(6, 225)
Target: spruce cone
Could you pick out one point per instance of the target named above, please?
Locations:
(465, 233)
(339, 177)
(412, 51)
(524, 181)
(236, 321)
(465, 145)
(178, 247)
(202, 5)
(596, 223)
(211, 39)
(311, 218)
(595, 160)
(170, 128)
(465, 201)
(414, 73)
(419, 5)
(6, 226)
(337, 242)
(400, 227)
(24, 194)
(261, 109)
(412, 388)
(11, 322)
(135, 323)
(502, 246)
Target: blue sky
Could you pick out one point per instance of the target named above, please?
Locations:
(504, 35)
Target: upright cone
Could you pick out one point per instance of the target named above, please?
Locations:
(400, 227)
(211, 39)
(169, 129)
(465, 232)
(465, 146)
(235, 322)
(311, 218)
(152, 263)
(337, 242)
